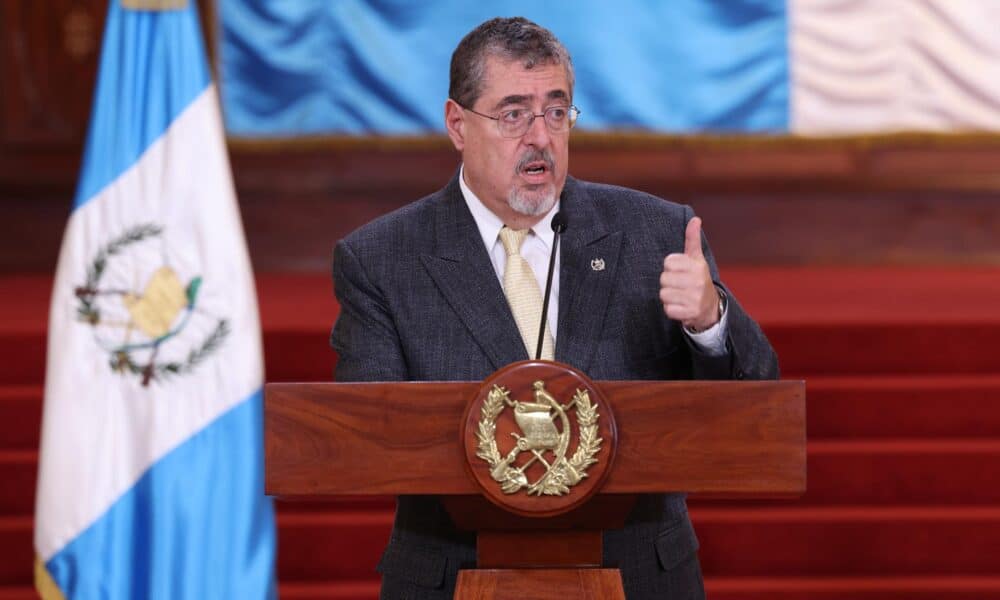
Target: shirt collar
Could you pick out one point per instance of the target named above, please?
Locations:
(490, 225)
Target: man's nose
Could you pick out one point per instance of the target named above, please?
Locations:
(538, 133)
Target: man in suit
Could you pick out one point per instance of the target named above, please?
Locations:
(636, 295)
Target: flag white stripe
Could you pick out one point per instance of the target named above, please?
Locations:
(890, 65)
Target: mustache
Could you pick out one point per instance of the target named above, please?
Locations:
(535, 156)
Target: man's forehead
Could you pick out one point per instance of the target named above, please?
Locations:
(509, 82)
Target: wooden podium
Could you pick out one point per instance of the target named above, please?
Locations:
(721, 439)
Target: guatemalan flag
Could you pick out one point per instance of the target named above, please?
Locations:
(774, 67)
(151, 468)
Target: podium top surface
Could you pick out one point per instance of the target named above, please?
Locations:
(738, 439)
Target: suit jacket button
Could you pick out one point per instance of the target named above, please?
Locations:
(740, 374)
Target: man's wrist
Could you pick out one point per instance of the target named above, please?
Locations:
(723, 302)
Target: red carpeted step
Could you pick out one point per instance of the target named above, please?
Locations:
(342, 545)
(912, 406)
(853, 588)
(289, 355)
(23, 327)
(867, 294)
(18, 592)
(18, 471)
(17, 554)
(921, 432)
(892, 473)
(20, 416)
(854, 542)
(911, 348)
(745, 588)
(821, 320)
(293, 355)
(23, 357)
(297, 312)
(313, 547)
(905, 320)
(903, 472)
(331, 590)
(717, 588)
(849, 541)
(829, 541)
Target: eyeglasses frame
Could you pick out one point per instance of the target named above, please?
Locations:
(570, 109)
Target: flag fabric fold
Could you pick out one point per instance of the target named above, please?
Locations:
(151, 468)
(799, 67)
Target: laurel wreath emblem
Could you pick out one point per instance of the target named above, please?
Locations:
(122, 359)
(563, 473)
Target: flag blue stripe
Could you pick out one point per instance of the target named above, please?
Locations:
(358, 67)
(152, 67)
(142, 548)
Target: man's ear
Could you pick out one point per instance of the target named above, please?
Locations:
(454, 122)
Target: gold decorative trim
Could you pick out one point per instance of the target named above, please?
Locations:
(340, 142)
(154, 5)
(44, 584)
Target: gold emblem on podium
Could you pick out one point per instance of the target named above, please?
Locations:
(544, 438)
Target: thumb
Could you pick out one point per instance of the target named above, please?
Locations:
(692, 238)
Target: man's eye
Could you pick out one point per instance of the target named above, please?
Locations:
(513, 116)
(558, 113)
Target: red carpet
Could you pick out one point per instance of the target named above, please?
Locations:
(903, 385)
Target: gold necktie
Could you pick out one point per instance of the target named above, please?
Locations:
(523, 295)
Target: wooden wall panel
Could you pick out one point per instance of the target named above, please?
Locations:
(830, 206)
(764, 202)
(49, 51)
(49, 61)
(48, 64)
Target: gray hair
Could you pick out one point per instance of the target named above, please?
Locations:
(512, 39)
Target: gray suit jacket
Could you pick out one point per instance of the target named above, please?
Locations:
(420, 300)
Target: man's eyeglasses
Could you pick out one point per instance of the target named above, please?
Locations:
(516, 122)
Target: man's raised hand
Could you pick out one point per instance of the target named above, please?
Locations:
(686, 288)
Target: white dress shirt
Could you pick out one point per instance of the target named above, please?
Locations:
(536, 249)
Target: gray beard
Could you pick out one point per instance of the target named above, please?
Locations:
(532, 203)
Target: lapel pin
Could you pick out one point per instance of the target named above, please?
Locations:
(597, 264)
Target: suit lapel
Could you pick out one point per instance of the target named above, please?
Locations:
(462, 271)
(587, 275)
